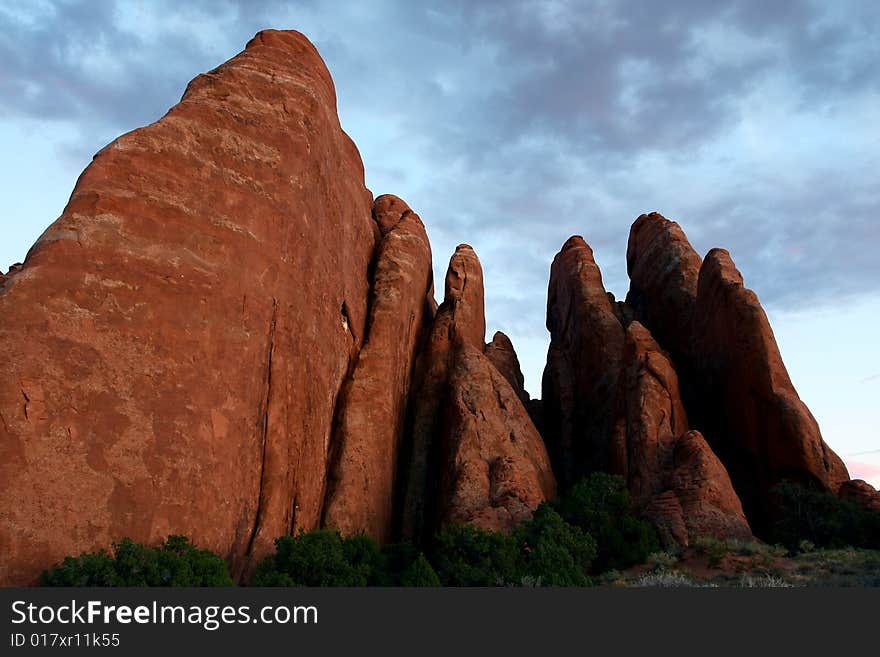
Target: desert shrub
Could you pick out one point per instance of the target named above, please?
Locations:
(467, 556)
(661, 560)
(765, 581)
(404, 565)
(88, 569)
(556, 553)
(761, 554)
(611, 578)
(419, 573)
(319, 558)
(324, 557)
(714, 548)
(600, 506)
(543, 551)
(822, 519)
(175, 563)
(838, 567)
(665, 579)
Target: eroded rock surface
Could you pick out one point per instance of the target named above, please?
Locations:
(862, 492)
(494, 467)
(371, 409)
(476, 456)
(745, 401)
(183, 329)
(616, 390)
(736, 389)
(503, 356)
(583, 411)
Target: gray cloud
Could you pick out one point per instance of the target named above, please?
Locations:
(512, 125)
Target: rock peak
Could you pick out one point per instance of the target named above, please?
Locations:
(288, 39)
(718, 265)
(464, 295)
(503, 356)
(388, 210)
(575, 242)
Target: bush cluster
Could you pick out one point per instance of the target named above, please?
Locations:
(564, 543)
(324, 557)
(813, 518)
(600, 506)
(175, 563)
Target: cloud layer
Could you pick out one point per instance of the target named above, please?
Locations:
(512, 125)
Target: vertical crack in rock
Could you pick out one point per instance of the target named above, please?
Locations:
(263, 424)
(294, 509)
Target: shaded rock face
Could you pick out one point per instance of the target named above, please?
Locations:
(734, 383)
(503, 356)
(494, 468)
(673, 475)
(862, 492)
(473, 441)
(372, 405)
(582, 409)
(655, 415)
(614, 391)
(663, 270)
(460, 318)
(709, 505)
(183, 330)
(748, 406)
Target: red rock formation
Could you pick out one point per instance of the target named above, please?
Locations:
(476, 456)
(618, 387)
(460, 318)
(503, 356)
(583, 413)
(494, 470)
(655, 416)
(663, 270)
(862, 492)
(735, 386)
(710, 507)
(372, 406)
(223, 336)
(756, 422)
(672, 473)
(182, 330)
(12, 270)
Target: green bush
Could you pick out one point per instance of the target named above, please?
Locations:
(544, 551)
(714, 548)
(600, 506)
(324, 557)
(590, 530)
(467, 556)
(419, 573)
(556, 553)
(318, 558)
(175, 563)
(405, 565)
(822, 519)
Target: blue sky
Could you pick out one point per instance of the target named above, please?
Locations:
(513, 125)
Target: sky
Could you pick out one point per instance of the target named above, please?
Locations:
(513, 125)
